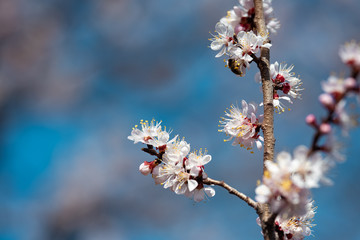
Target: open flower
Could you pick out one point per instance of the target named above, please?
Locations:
(286, 85)
(147, 132)
(350, 54)
(224, 40)
(297, 227)
(243, 125)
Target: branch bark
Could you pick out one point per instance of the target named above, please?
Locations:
(266, 217)
(233, 191)
(267, 85)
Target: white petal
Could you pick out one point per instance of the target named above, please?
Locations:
(192, 184)
(199, 195)
(266, 45)
(220, 28)
(301, 152)
(258, 144)
(216, 45)
(205, 159)
(222, 52)
(283, 157)
(209, 191)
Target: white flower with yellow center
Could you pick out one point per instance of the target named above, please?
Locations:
(243, 125)
(224, 40)
(298, 227)
(250, 43)
(148, 132)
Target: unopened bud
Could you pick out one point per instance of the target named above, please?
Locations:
(325, 128)
(145, 168)
(350, 83)
(311, 120)
(327, 100)
(238, 28)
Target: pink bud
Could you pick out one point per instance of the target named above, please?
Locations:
(350, 83)
(145, 168)
(327, 100)
(325, 128)
(311, 120)
(238, 28)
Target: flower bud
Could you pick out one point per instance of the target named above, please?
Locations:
(327, 100)
(350, 83)
(311, 120)
(325, 128)
(146, 167)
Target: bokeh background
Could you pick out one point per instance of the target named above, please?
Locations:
(76, 76)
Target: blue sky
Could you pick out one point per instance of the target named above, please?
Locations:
(76, 76)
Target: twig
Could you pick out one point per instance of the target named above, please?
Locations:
(328, 119)
(233, 191)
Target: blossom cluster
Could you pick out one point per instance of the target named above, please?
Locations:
(333, 99)
(237, 37)
(239, 47)
(175, 167)
(241, 17)
(243, 126)
(286, 188)
(287, 181)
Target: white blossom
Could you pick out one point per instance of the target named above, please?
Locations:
(297, 227)
(241, 17)
(350, 54)
(243, 125)
(334, 85)
(223, 40)
(147, 132)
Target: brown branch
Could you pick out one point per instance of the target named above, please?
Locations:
(264, 212)
(267, 85)
(233, 191)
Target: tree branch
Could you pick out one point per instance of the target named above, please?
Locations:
(264, 212)
(328, 119)
(233, 191)
(267, 86)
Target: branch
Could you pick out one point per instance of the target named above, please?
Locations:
(233, 191)
(267, 85)
(328, 119)
(266, 217)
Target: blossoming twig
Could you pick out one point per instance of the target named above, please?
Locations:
(331, 102)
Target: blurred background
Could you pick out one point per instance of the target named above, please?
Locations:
(76, 76)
